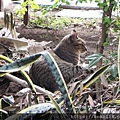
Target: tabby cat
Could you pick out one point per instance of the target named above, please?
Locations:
(66, 54)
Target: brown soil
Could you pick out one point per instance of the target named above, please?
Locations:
(90, 35)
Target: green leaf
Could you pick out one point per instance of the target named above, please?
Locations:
(18, 64)
(107, 61)
(111, 77)
(29, 81)
(114, 70)
(117, 102)
(115, 30)
(59, 110)
(107, 20)
(68, 3)
(3, 104)
(94, 77)
(45, 11)
(76, 2)
(101, 5)
(93, 59)
(32, 111)
(94, 62)
(106, 8)
(93, 56)
(106, 42)
(114, 55)
(59, 80)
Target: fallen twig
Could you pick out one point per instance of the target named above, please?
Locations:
(23, 83)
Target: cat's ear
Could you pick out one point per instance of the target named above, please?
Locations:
(70, 38)
(74, 35)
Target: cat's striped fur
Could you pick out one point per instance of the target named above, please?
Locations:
(66, 54)
(70, 47)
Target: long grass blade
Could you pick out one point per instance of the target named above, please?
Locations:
(21, 64)
(32, 111)
(117, 102)
(59, 110)
(94, 77)
(29, 81)
(59, 80)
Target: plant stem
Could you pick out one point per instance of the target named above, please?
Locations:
(105, 29)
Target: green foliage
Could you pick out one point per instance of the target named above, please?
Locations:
(20, 64)
(23, 6)
(106, 42)
(56, 5)
(81, 1)
(94, 59)
(29, 112)
(5, 102)
(107, 20)
(116, 24)
(114, 70)
(56, 105)
(45, 21)
(59, 80)
(94, 77)
(55, 22)
(116, 5)
(112, 23)
(103, 5)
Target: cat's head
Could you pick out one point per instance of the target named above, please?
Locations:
(74, 42)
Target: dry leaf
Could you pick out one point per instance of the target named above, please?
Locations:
(73, 86)
(91, 101)
(17, 43)
(104, 81)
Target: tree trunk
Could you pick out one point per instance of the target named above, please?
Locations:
(26, 18)
(100, 47)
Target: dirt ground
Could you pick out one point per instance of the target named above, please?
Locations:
(90, 35)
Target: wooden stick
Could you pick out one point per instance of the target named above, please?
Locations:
(23, 83)
(26, 18)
